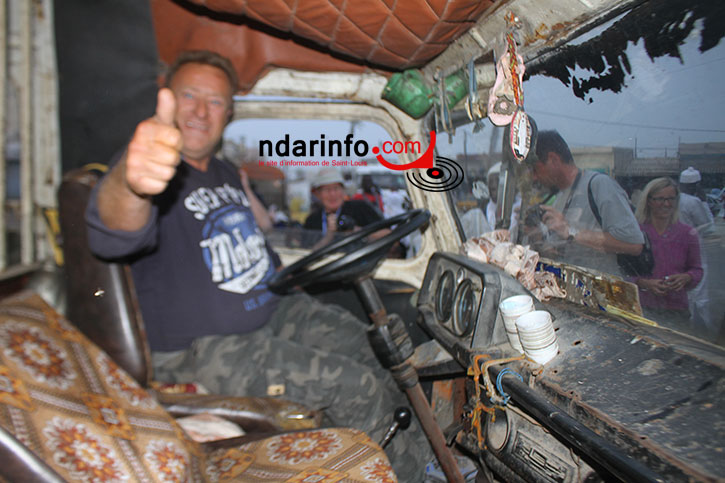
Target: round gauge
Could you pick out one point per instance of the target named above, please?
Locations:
(464, 308)
(444, 296)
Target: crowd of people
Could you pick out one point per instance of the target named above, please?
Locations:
(591, 222)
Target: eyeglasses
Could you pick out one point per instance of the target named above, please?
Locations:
(661, 200)
(330, 188)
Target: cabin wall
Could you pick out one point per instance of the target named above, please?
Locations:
(108, 68)
(29, 140)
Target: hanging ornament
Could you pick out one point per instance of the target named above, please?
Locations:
(506, 95)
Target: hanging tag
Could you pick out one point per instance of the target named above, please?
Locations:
(520, 137)
(507, 95)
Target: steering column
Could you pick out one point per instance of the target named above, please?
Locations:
(388, 335)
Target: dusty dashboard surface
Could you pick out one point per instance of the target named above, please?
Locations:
(650, 398)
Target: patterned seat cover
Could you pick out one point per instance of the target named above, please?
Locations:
(72, 406)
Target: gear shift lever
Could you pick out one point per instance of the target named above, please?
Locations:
(401, 420)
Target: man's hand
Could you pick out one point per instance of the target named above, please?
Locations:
(331, 223)
(154, 151)
(331, 220)
(555, 221)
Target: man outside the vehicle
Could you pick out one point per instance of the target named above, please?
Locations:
(572, 226)
(180, 217)
(336, 213)
(693, 211)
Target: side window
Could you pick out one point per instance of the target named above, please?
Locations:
(288, 159)
(629, 143)
(478, 152)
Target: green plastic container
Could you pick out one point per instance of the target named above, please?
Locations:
(409, 92)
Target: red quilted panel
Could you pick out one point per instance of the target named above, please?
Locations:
(252, 51)
(357, 41)
(369, 21)
(419, 19)
(438, 6)
(401, 41)
(408, 36)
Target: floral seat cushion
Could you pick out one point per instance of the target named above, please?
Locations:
(71, 405)
(320, 455)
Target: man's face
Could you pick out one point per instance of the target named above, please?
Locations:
(543, 173)
(331, 196)
(203, 104)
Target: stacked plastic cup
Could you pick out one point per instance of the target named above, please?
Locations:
(511, 309)
(537, 336)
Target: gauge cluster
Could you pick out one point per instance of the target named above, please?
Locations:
(458, 303)
(457, 298)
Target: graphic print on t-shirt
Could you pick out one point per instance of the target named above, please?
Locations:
(232, 246)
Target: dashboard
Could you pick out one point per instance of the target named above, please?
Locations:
(459, 304)
(604, 408)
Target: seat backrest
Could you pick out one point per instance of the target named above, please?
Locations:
(101, 298)
(69, 404)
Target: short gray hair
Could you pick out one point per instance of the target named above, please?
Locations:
(206, 57)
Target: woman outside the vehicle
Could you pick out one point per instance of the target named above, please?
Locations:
(676, 251)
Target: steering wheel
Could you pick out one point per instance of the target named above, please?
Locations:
(356, 262)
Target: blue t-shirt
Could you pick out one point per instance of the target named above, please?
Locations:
(200, 264)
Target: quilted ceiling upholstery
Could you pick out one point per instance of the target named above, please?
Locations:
(392, 33)
(319, 35)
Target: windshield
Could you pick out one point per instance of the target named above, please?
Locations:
(283, 174)
(629, 145)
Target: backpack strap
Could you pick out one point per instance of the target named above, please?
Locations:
(592, 204)
(595, 211)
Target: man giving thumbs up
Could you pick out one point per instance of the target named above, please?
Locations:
(191, 114)
(180, 215)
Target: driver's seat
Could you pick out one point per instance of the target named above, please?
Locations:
(69, 413)
(102, 303)
(101, 296)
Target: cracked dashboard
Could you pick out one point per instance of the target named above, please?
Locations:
(645, 397)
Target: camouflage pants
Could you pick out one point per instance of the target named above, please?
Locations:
(321, 356)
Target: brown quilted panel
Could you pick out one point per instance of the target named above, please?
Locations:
(252, 51)
(389, 34)
(402, 33)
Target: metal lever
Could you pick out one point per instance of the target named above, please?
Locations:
(401, 420)
(404, 372)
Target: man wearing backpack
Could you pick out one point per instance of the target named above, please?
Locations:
(591, 221)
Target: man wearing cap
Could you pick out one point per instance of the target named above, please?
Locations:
(337, 214)
(573, 227)
(693, 211)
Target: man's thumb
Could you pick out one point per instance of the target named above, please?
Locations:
(166, 106)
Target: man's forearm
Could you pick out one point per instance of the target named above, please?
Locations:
(261, 215)
(604, 242)
(118, 206)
